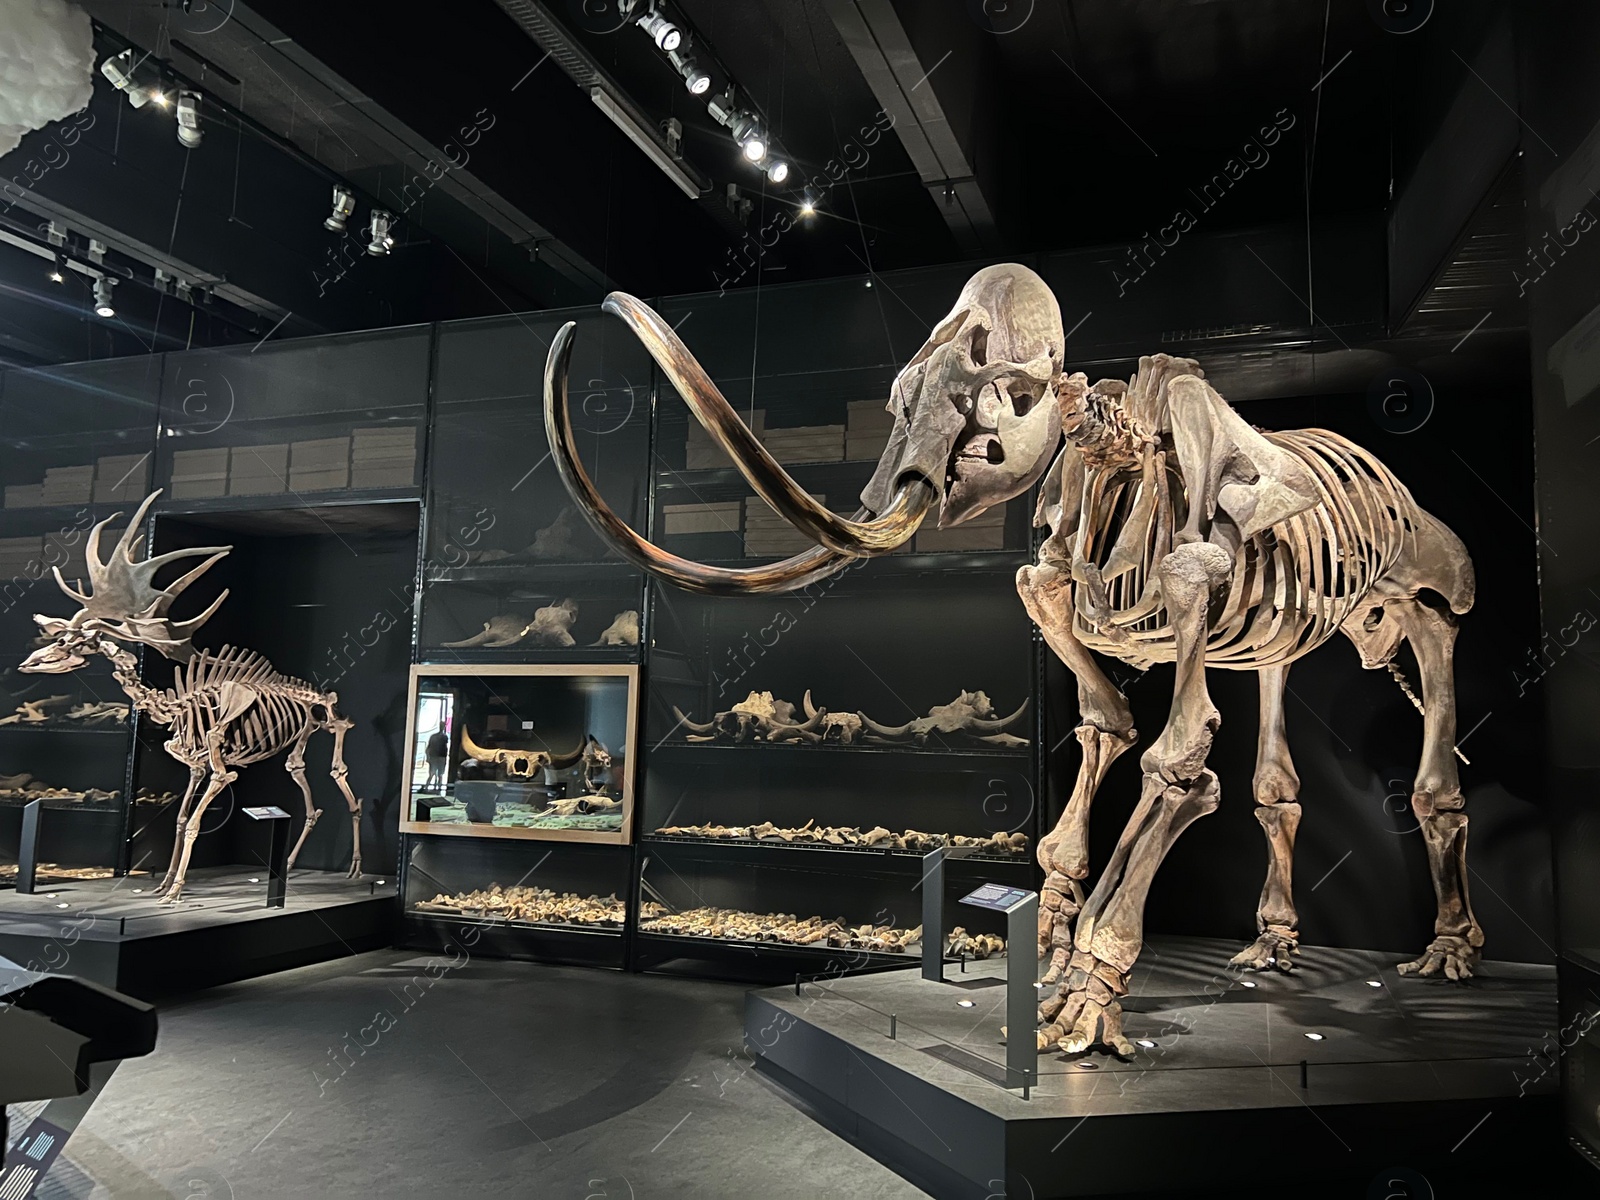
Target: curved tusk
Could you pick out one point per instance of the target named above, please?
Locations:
(995, 724)
(811, 709)
(787, 575)
(693, 726)
(888, 731)
(772, 483)
(474, 750)
(562, 761)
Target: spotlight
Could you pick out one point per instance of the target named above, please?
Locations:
(697, 81)
(344, 207)
(58, 273)
(746, 131)
(808, 209)
(755, 149)
(667, 36)
(120, 70)
(189, 119)
(778, 172)
(379, 240)
(102, 297)
(160, 97)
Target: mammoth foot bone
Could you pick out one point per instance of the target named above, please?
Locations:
(1455, 956)
(1087, 1010)
(1272, 949)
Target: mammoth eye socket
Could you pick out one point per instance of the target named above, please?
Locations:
(1022, 402)
(995, 452)
(980, 346)
(1374, 619)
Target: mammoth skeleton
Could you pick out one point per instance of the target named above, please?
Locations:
(1178, 533)
(227, 708)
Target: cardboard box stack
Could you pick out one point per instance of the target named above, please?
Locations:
(383, 456)
(65, 549)
(199, 473)
(119, 477)
(866, 432)
(319, 465)
(20, 557)
(986, 531)
(24, 495)
(767, 535)
(717, 517)
(68, 485)
(700, 453)
(258, 470)
(805, 443)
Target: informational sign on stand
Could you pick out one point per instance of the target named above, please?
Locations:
(997, 896)
(277, 853)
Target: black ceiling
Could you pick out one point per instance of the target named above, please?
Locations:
(1087, 122)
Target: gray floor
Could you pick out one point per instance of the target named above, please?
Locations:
(484, 1078)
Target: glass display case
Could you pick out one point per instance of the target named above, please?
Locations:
(311, 421)
(75, 447)
(521, 750)
(506, 549)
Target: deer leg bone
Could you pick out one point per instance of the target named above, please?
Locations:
(295, 764)
(1277, 788)
(196, 774)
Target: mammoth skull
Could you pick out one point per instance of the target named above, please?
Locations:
(975, 424)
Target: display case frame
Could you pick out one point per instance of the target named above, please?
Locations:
(628, 772)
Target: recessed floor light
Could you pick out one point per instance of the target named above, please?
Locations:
(1315, 1037)
(49, 895)
(136, 891)
(1147, 1043)
(253, 879)
(63, 904)
(1038, 985)
(965, 1003)
(1247, 983)
(1374, 983)
(1086, 1065)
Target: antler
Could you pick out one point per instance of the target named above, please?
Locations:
(122, 592)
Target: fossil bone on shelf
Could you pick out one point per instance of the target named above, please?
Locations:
(877, 838)
(623, 630)
(970, 713)
(531, 905)
(732, 924)
(757, 717)
(519, 763)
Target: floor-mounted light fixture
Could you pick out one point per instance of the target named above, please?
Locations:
(344, 207)
(102, 297)
(379, 240)
(189, 119)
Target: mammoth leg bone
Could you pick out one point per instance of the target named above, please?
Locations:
(1178, 789)
(1436, 797)
(1105, 731)
(295, 764)
(1277, 791)
(197, 772)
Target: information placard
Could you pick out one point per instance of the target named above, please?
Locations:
(269, 813)
(997, 896)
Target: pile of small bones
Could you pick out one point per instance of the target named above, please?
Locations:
(532, 905)
(735, 925)
(840, 835)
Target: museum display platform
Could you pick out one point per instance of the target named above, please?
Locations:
(1236, 1072)
(115, 933)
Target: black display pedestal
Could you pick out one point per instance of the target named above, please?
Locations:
(1403, 1071)
(277, 852)
(28, 850)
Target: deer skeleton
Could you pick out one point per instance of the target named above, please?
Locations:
(227, 708)
(1178, 533)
